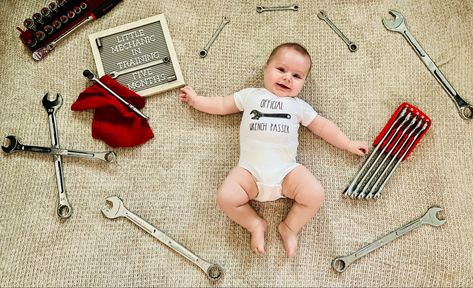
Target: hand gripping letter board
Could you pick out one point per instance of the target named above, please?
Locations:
(394, 144)
(138, 55)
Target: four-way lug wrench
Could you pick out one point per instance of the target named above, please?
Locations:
(203, 53)
(15, 145)
(64, 209)
(431, 217)
(398, 24)
(213, 271)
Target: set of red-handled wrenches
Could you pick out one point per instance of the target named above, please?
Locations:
(64, 209)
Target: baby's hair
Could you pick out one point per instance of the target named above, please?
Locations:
(291, 45)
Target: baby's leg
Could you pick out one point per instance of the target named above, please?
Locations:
(233, 198)
(308, 195)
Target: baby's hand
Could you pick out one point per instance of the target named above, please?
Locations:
(358, 148)
(188, 95)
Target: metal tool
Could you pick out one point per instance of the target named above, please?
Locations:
(213, 271)
(16, 145)
(89, 75)
(64, 208)
(203, 53)
(431, 217)
(349, 189)
(116, 74)
(257, 114)
(261, 9)
(376, 192)
(351, 45)
(356, 189)
(398, 24)
(380, 165)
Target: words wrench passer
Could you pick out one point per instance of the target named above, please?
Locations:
(213, 271)
(64, 208)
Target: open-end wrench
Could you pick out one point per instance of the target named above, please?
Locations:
(15, 145)
(261, 9)
(431, 217)
(348, 191)
(213, 271)
(373, 176)
(356, 189)
(351, 45)
(398, 24)
(255, 115)
(64, 208)
(203, 53)
(116, 74)
(377, 192)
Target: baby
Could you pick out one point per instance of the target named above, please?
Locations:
(267, 169)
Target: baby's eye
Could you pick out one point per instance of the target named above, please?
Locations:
(297, 76)
(280, 69)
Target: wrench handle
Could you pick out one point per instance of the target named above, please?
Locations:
(36, 149)
(166, 240)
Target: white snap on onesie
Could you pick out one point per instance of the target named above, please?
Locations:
(269, 132)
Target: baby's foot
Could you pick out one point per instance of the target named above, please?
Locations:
(289, 239)
(257, 237)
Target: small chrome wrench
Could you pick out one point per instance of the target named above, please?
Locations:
(340, 264)
(64, 208)
(351, 45)
(116, 74)
(16, 145)
(398, 24)
(213, 271)
(261, 9)
(203, 53)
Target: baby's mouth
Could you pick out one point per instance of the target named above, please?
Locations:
(282, 86)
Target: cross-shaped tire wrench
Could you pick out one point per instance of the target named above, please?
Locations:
(213, 271)
(64, 210)
(255, 115)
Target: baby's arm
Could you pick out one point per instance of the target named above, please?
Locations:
(212, 105)
(330, 132)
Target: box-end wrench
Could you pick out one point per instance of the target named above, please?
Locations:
(64, 210)
(213, 271)
(261, 9)
(431, 217)
(398, 24)
(351, 45)
(15, 145)
(203, 53)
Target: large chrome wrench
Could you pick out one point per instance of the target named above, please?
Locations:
(213, 271)
(16, 145)
(64, 208)
(431, 217)
(398, 24)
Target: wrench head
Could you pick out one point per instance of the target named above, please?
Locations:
(214, 272)
(255, 114)
(322, 15)
(52, 104)
(116, 210)
(433, 218)
(12, 145)
(397, 24)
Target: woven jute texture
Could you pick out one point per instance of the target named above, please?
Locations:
(171, 181)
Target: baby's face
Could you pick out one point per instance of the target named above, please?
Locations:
(286, 72)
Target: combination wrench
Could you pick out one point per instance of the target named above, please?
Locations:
(213, 271)
(116, 74)
(398, 24)
(351, 45)
(203, 53)
(255, 115)
(64, 210)
(431, 217)
(15, 145)
(261, 9)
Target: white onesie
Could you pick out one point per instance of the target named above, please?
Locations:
(269, 137)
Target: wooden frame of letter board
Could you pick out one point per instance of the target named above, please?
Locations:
(135, 26)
